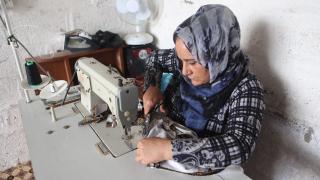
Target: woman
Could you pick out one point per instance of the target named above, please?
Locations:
(211, 92)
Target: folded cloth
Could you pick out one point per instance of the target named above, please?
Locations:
(107, 39)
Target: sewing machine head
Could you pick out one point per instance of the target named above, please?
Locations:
(101, 84)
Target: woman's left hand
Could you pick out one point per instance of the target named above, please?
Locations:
(153, 150)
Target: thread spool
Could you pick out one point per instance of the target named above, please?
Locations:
(33, 75)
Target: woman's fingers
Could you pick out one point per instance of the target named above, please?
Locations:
(140, 159)
(152, 150)
(148, 105)
(151, 97)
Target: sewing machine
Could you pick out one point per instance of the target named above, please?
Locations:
(69, 149)
(104, 88)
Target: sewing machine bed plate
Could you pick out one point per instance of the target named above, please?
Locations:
(70, 153)
(112, 138)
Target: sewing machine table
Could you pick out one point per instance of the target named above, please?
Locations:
(63, 150)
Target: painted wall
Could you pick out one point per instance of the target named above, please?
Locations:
(282, 38)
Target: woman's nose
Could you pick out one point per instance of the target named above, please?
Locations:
(185, 70)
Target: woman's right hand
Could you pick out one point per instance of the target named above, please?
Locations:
(151, 97)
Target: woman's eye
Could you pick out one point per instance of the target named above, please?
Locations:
(192, 62)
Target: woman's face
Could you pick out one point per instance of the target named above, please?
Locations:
(190, 66)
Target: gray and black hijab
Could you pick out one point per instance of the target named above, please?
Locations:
(212, 35)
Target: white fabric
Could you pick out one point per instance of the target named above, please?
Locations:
(161, 127)
(158, 130)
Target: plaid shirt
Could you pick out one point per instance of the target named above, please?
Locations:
(232, 131)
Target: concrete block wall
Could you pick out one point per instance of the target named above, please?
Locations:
(282, 38)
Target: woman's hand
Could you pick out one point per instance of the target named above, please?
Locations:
(151, 97)
(153, 150)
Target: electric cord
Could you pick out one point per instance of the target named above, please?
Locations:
(3, 22)
(69, 85)
(32, 57)
(52, 79)
(17, 42)
(42, 69)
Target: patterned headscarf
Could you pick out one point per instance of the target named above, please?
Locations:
(212, 35)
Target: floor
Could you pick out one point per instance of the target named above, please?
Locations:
(20, 172)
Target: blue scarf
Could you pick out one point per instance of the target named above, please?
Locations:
(212, 35)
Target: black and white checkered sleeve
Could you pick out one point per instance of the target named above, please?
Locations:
(160, 61)
(235, 144)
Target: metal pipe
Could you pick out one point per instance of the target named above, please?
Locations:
(9, 31)
(53, 114)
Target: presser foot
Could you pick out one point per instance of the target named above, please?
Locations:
(93, 119)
